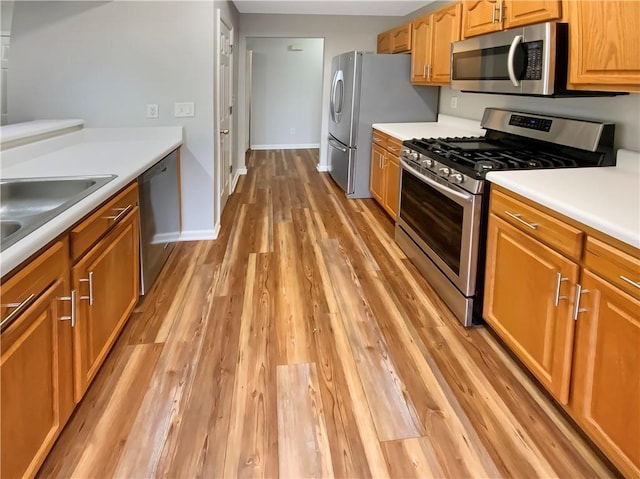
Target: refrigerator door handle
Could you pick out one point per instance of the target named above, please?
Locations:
(332, 98)
(334, 144)
(337, 108)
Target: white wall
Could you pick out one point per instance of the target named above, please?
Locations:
(340, 33)
(286, 93)
(624, 110)
(104, 61)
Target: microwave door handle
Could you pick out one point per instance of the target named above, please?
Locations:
(512, 55)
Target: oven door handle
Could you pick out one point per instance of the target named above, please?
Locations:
(467, 198)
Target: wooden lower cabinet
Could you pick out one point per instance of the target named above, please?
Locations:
(522, 277)
(384, 176)
(36, 368)
(376, 177)
(605, 396)
(107, 282)
(392, 192)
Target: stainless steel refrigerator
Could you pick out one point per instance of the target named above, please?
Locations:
(369, 88)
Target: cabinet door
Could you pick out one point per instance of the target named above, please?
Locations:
(605, 391)
(479, 17)
(421, 49)
(36, 382)
(604, 47)
(107, 281)
(392, 186)
(376, 180)
(522, 278)
(518, 13)
(401, 39)
(446, 29)
(384, 42)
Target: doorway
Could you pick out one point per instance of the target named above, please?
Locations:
(286, 92)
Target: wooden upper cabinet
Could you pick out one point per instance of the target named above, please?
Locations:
(421, 49)
(401, 39)
(486, 16)
(431, 52)
(604, 47)
(528, 12)
(605, 395)
(384, 42)
(523, 277)
(446, 30)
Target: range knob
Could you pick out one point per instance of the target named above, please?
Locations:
(456, 178)
(428, 163)
(444, 171)
(413, 155)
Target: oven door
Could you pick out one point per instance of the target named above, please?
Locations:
(444, 221)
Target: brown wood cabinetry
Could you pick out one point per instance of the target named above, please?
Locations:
(396, 40)
(604, 51)
(385, 171)
(106, 279)
(569, 308)
(486, 16)
(36, 361)
(431, 51)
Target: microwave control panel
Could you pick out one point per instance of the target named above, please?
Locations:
(533, 69)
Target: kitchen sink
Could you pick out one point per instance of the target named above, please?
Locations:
(26, 204)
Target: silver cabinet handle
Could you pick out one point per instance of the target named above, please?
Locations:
(493, 14)
(429, 72)
(630, 281)
(424, 71)
(500, 12)
(19, 308)
(559, 281)
(518, 217)
(90, 281)
(116, 218)
(71, 298)
(576, 306)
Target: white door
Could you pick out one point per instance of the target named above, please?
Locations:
(224, 95)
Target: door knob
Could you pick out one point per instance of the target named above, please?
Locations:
(224, 132)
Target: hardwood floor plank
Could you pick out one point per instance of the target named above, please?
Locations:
(413, 459)
(393, 412)
(303, 445)
(252, 444)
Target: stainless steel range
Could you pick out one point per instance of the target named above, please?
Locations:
(441, 223)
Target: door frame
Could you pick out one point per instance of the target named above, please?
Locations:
(217, 150)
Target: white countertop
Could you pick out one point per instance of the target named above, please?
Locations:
(11, 135)
(606, 199)
(445, 126)
(125, 152)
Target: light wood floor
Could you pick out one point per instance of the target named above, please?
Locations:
(302, 343)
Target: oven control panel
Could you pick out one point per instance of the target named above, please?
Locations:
(530, 122)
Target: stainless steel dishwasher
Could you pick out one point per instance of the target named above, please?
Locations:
(159, 217)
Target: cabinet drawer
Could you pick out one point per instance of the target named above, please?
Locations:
(620, 268)
(394, 145)
(84, 235)
(23, 288)
(555, 233)
(379, 138)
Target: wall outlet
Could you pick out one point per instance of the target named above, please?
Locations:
(152, 110)
(454, 102)
(292, 131)
(184, 109)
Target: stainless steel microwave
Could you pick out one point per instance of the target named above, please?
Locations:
(531, 60)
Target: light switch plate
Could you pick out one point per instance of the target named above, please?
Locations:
(184, 109)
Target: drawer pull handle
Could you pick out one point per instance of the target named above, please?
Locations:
(559, 281)
(71, 298)
(19, 308)
(630, 281)
(518, 217)
(123, 212)
(576, 307)
(90, 281)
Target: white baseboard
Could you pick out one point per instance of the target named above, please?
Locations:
(322, 168)
(236, 177)
(285, 147)
(167, 237)
(197, 235)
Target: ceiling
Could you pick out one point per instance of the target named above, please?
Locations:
(398, 8)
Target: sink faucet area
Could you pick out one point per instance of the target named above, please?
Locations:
(28, 203)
